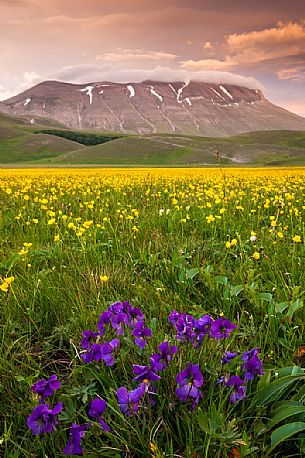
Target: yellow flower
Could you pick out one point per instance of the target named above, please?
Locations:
(210, 219)
(233, 242)
(297, 239)
(256, 255)
(280, 235)
(35, 220)
(51, 221)
(56, 238)
(71, 226)
(104, 278)
(27, 245)
(23, 252)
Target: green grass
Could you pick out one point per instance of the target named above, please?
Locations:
(255, 148)
(171, 262)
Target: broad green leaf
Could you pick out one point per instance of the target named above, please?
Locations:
(191, 273)
(235, 290)
(283, 413)
(298, 304)
(290, 370)
(285, 432)
(8, 264)
(275, 389)
(221, 279)
(266, 297)
(279, 308)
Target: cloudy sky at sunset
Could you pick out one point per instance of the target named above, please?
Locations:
(259, 43)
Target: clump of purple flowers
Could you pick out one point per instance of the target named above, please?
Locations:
(122, 318)
(119, 317)
(189, 329)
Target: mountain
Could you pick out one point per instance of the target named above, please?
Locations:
(150, 107)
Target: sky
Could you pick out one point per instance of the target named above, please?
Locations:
(257, 43)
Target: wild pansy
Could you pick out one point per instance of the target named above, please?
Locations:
(252, 364)
(194, 330)
(76, 433)
(89, 338)
(97, 408)
(221, 328)
(140, 332)
(144, 373)
(228, 356)
(104, 320)
(238, 389)
(159, 361)
(43, 419)
(189, 381)
(103, 352)
(129, 400)
(46, 388)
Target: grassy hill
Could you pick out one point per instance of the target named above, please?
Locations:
(23, 143)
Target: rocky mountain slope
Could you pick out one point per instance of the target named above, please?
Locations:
(193, 108)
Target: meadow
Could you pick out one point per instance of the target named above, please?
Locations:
(158, 311)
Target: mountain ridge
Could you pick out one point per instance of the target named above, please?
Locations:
(150, 107)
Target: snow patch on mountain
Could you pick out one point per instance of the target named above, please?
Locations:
(131, 90)
(88, 91)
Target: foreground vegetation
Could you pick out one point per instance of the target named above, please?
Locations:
(141, 293)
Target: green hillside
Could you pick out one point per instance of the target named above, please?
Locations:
(45, 143)
(19, 143)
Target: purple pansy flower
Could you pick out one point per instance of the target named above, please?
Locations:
(252, 364)
(118, 321)
(103, 352)
(89, 338)
(107, 351)
(185, 328)
(228, 356)
(159, 361)
(77, 432)
(221, 328)
(140, 333)
(43, 419)
(103, 321)
(97, 408)
(144, 373)
(189, 381)
(135, 315)
(238, 388)
(173, 317)
(202, 327)
(129, 401)
(45, 388)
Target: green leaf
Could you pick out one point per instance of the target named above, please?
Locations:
(191, 273)
(235, 290)
(298, 304)
(275, 389)
(283, 413)
(279, 308)
(221, 279)
(290, 370)
(285, 432)
(8, 264)
(266, 297)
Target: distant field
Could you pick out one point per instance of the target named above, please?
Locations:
(21, 143)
